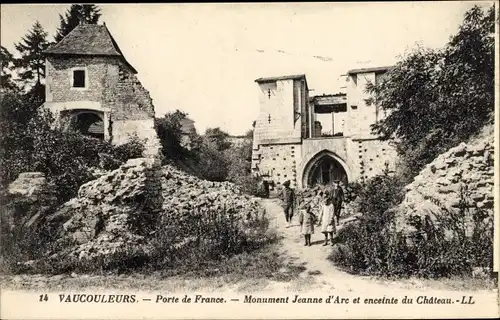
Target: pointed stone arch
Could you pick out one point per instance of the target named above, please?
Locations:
(337, 169)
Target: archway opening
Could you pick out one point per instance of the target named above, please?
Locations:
(88, 123)
(325, 170)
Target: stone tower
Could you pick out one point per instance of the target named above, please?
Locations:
(290, 143)
(90, 83)
(280, 127)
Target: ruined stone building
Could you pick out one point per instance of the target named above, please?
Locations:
(289, 143)
(187, 129)
(91, 85)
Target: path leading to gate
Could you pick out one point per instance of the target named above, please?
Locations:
(319, 271)
(321, 274)
(309, 267)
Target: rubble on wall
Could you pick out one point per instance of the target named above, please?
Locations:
(184, 193)
(28, 184)
(130, 99)
(35, 193)
(115, 217)
(112, 215)
(312, 196)
(133, 108)
(460, 178)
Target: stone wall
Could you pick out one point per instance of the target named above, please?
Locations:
(126, 96)
(279, 107)
(367, 157)
(28, 184)
(112, 216)
(359, 152)
(461, 177)
(35, 196)
(280, 162)
(143, 129)
(188, 198)
(58, 78)
(360, 158)
(360, 115)
(112, 88)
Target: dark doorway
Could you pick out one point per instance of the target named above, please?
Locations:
(89, 124)
(325, 170)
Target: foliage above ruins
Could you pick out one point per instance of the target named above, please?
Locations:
(437, 98)
(77, 13)
(31, 65)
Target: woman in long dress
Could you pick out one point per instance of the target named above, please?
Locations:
(327, 219)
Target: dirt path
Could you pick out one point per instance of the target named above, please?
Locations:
(313, 273)
(318, 278)
(321, 274)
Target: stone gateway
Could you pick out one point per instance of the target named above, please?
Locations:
(289, 143)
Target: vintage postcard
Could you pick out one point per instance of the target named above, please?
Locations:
(249, 160)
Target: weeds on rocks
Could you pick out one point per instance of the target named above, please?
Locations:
(456, 242)
(208, 236)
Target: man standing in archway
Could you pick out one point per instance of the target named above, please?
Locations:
(337, 197)
(289, 199)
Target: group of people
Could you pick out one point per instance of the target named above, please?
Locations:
(327, 218)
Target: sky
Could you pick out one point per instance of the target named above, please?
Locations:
(203, 58)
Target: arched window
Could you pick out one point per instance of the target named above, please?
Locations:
(87, 123)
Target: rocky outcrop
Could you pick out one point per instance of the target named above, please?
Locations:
(28, 184)
(185, 194)
(111, 216)
(29, 197)
(460, 180)
(206, 218)
(118, 216)
(312, 196)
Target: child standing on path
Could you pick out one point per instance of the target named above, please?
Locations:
(327, 219)
(307, 220)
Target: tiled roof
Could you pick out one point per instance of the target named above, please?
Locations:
(89, 39)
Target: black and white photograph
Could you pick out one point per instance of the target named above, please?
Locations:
(249, 160)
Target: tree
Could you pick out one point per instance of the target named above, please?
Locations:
(169, 132)
(217, 138)
(86, 13)
(437, 98)
(7, 61)
(31, 65)
(249, 134)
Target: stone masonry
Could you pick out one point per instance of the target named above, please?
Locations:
(112, 216)
(111, 89)
(461, 177)
(288, 146)
(37, 196)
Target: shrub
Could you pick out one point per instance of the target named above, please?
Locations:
(364, 245)
(371, 245)
(169, 131)
(458, 241)
(352, 191)
(20, 218)
(208, 235)
(211, 164)
(66, 157)
(250, 185)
